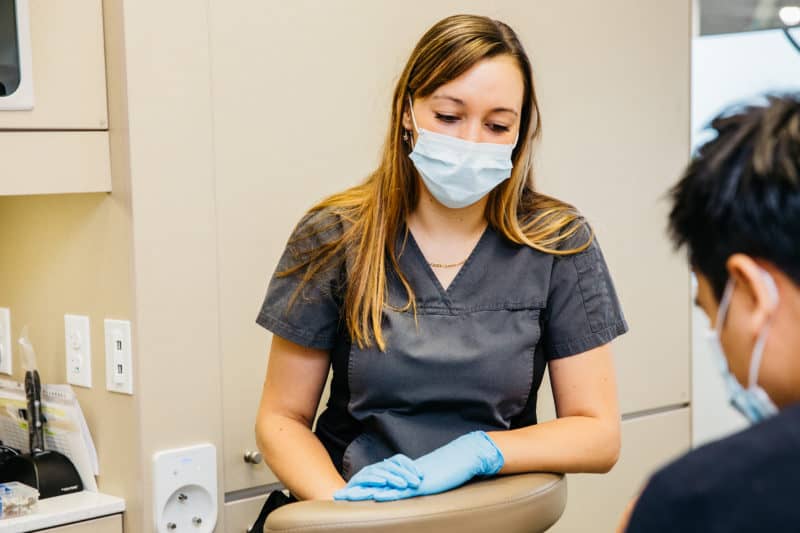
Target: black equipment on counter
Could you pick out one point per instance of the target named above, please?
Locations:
(50, 472)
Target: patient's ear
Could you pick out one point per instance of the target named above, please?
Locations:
(756, 289)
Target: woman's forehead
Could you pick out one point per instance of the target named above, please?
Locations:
(493, 82)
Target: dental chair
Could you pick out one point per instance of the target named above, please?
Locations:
(520, 503)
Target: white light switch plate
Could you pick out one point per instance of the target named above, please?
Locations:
(5, 341)
(119, 370)
(78, 350)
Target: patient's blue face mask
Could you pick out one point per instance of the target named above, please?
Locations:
(753, 402)
(458, 173)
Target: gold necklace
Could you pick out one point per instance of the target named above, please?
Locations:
(447, 265)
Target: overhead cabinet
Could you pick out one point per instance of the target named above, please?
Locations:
(52, 65)
(53, 109)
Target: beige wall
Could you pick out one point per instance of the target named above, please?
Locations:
(146, 252)
(71, 254)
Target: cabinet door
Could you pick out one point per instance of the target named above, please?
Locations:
(596, 502)
(273, 163)
(613, 150)
(68, 60)
(107, 524)
(241, 514)
(51, 162)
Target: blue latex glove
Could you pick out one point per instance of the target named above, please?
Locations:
(396, 472)
(443, 469)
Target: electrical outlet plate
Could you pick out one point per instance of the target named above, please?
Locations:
(119, 370)
(78, 350)
(185, 489)
(5, 341)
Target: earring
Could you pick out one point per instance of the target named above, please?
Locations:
(405, 135)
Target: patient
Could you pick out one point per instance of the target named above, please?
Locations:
(737, 211)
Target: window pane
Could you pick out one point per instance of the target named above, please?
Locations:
(9, 51)
(735, 16)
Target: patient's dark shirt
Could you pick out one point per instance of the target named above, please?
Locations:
(749, 482)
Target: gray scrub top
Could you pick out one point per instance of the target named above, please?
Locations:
(475, 359)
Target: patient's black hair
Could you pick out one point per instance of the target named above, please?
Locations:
(741, 191)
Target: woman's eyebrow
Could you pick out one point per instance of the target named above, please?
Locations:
(447, 97)
(461, 102)
(504, 110)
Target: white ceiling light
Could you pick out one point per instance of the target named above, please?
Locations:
(790, 15)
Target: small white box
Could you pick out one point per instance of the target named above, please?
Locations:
(5, 341)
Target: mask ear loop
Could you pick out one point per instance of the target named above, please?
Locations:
(758, 349)
(722, 311)
(411, 110)
(758, 355)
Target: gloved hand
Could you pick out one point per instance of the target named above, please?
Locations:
(396, 472)
(443, 469)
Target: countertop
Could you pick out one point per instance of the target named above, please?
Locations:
(61, 510)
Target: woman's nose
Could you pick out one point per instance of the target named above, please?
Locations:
(472, 131)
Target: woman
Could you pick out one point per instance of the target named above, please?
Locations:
(439, 290)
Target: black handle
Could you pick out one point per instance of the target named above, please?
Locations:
(33, 391)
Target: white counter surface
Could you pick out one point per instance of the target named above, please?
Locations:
(61, 510)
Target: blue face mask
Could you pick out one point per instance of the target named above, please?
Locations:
(458, 173)
(753, 402)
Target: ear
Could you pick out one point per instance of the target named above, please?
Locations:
(407, 124)
(408, 121)
(758, 285)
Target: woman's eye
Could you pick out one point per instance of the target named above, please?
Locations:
(446, 118)
(498, 128)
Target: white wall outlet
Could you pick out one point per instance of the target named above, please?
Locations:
(119, 370)
(5, 341)
(185, 489)
(78, 350)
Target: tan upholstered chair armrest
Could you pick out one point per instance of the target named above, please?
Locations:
(521, 503)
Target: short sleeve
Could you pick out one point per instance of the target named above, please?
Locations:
(582, 311)
(309, 317)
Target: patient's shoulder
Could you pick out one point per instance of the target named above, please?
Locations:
(749, 476)
(761, 447)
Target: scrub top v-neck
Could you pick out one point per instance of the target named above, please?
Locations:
(472, 359)
(412, 247)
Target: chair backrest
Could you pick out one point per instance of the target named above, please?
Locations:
(520, 503)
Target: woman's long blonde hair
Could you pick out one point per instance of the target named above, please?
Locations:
(374, 211)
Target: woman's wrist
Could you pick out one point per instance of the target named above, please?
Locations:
(482, 456)
(490, 458)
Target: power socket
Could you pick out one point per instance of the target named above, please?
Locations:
(185, 489)
(119, 370)
(5, 341)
